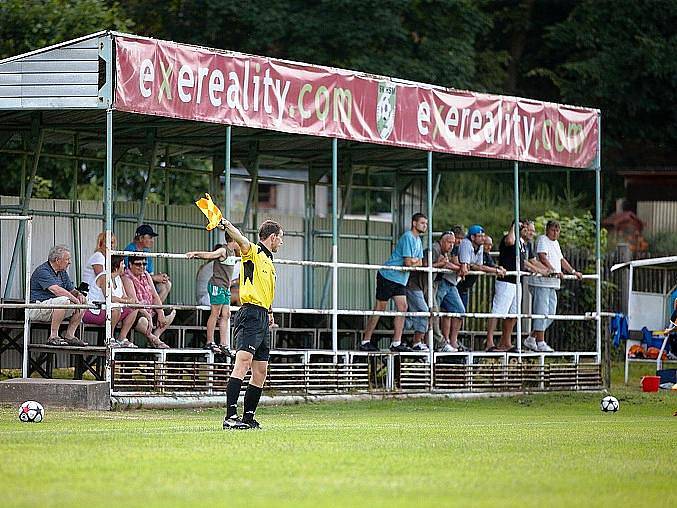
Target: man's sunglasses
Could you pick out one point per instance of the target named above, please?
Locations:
(139, 263)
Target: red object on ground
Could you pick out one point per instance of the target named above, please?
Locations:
(650, 383)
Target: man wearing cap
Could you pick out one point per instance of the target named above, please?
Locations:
(471, 255)
(144, 238)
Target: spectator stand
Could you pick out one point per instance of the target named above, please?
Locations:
(650, 292)
(332, 148)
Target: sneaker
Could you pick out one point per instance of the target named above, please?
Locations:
(401, 348)
(114, 343)
(56, 341)
(253, 424)
(226, 351)
(127, 343)
(234, 423)
(448, 348)
(368, 346)
(213, 347)
(543, 347)
(420, 346)
(530, 343)
(74, 341)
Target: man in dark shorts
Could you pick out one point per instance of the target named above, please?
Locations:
(393, 283)
(252, 322)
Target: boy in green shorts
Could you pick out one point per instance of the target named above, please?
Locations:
(225, 259)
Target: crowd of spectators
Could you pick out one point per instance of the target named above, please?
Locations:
(464, 256)
(460, 254)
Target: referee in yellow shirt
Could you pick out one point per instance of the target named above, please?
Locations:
(252, 322)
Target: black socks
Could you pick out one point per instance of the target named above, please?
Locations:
(232, 393)
(251, 400)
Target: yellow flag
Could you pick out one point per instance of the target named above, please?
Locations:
(210, 210)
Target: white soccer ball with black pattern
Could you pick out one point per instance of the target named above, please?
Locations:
(31, 412)
(609, 404)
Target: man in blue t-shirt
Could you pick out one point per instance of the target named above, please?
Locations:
(51, 285)
(393, 283)
(144, 238)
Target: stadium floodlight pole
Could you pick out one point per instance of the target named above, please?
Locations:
(518, 265)
(598, 239)
(27, 296)
(334, 246)
(108, 204)
(429, 296)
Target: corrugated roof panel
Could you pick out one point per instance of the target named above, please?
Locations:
(63, 77)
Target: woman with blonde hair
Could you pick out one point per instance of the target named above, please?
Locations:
(96, 263)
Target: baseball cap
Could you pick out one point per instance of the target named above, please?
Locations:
(145, 229)
(475, 229)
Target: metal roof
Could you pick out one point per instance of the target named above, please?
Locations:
(64, 90)
(665, 263)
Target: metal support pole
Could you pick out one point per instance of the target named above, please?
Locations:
(226, 173)
(75, 208)
(518, 265)
(27, 297)
(108, 205)
(334, 245)
(150, 139)
(24, 209)
(598, 240)
(430, 296)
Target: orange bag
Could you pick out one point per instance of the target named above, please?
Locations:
(636, 351)
(652, 354)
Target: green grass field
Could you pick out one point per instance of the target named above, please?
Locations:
(550, 450)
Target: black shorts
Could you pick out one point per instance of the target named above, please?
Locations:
(251, 331)
(386, 289)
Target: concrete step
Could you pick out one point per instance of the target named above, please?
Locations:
(68, 393)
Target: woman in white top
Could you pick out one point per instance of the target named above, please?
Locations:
(96, 263)
(97, 295)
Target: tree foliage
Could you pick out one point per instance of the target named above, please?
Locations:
(31, 25)
(622, 58)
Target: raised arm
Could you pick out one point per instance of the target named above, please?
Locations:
(236, 235)
(215, 254)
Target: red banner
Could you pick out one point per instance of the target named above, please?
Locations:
(188, 82)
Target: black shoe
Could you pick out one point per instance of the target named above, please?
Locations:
(368, 346)
(253, 424)
(74, 341)
(226, 351)
(213, 347)
(234, 423)
(401, 348)
(56, 341)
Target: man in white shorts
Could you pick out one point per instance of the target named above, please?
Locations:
(505, 291)
(51, 285)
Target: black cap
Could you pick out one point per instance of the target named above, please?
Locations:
(145, 229)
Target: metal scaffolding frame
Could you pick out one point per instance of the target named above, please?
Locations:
(286, 149)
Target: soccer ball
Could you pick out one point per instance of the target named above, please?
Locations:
(609, 404)
(31, 412)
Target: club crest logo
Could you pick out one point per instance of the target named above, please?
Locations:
(385, 108)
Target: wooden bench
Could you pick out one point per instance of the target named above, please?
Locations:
(90, 359)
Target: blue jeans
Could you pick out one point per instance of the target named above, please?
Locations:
(544, 302)
(448, 298)
(416, 303)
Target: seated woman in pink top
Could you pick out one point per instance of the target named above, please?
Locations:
(97, 295)
(139, 285)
